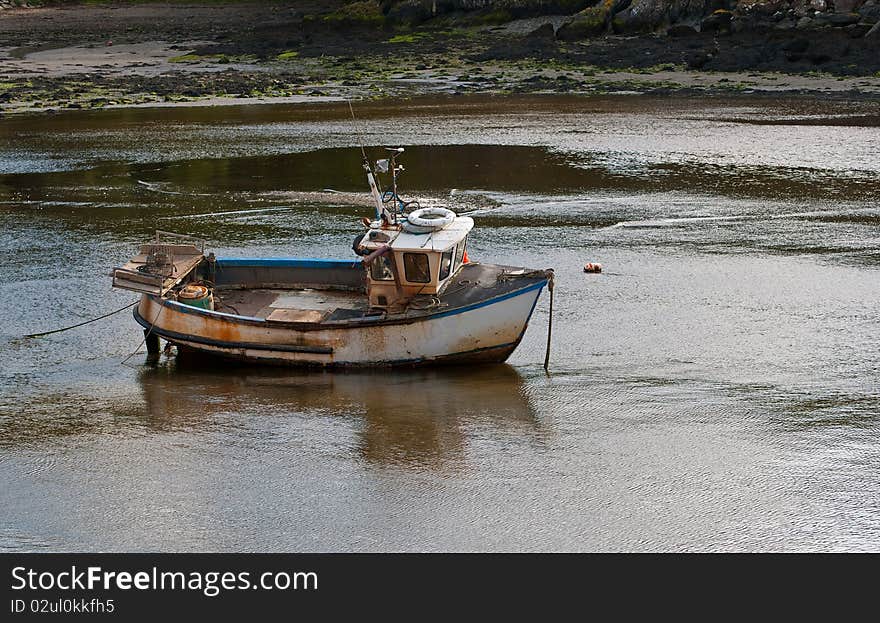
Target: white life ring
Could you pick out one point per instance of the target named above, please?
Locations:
(426, 220)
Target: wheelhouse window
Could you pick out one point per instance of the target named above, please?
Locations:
(415, 266)
(446, 263)
(380, 269)
(459, 252)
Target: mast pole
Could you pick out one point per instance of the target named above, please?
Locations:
(374, 190)
(382, 213)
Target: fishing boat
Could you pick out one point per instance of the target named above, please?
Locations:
(410, 296)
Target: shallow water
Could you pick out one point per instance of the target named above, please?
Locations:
(714, 389)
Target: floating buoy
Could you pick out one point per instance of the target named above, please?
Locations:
(592, 267)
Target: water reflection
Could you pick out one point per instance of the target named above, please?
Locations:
(403, 417)
(192, 185)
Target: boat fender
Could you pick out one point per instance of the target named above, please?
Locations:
(429, 219)
(356, 245)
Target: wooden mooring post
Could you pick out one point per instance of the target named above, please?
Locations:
(152, 342)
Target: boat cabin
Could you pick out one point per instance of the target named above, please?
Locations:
(402, 265)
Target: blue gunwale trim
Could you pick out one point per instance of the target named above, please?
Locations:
(198, 311)
(284, 262)
(497, 299)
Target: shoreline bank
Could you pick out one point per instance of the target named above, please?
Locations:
(55, 58)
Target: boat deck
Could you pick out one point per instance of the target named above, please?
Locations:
(473, 284)
(306, 305)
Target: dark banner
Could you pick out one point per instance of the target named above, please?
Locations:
(240, 586)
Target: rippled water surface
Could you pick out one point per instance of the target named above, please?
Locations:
(716, 388)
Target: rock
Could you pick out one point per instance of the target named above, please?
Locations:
(743, 23)
(681, 30)
(719, 21)
(715, 5)
(648, 15)
(846, 6)
(588, 23)
(869, 12)
(697, 60)
(794, 50)
(819, 5)
(785, 24)
(805, 23)
(841, 19)
(857, 30)
(796, 46)
(545, 31)
(410, 12)
(629, 22)
(800, 10)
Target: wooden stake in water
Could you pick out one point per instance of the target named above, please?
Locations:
(549, 324)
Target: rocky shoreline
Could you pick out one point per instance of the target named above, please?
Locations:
(67, 55)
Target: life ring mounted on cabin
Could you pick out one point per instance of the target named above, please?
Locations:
(426, 220)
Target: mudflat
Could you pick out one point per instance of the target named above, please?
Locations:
(96, 56)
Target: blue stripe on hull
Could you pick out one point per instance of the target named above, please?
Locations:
(492, 301)
(198, 311)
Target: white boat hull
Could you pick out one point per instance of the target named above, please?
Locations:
(486, 332)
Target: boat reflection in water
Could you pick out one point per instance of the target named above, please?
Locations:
(400, 416)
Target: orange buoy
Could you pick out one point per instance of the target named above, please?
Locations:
(592, 267)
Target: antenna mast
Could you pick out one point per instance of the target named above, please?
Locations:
(382, 213)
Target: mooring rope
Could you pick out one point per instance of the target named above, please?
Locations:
(82, 323)
(147, 334)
